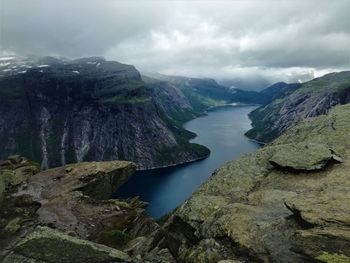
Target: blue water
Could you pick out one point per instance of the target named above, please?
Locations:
(222, 131)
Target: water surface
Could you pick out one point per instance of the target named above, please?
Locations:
(222, 131)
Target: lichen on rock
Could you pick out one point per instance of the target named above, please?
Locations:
(48, 245)
(303, 156)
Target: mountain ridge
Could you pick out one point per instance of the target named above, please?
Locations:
(91, 109)
(313, 98)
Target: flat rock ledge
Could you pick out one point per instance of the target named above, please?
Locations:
(303, 156)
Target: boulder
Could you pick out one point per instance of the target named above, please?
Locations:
(48, 245)
(75, 197)
(303, 156)
(17, 170)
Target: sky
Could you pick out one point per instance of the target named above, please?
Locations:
(254, 41)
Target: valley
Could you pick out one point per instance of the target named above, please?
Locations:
(222, 131)
(83, 145)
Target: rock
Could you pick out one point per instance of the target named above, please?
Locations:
(303, 157)
(328, 244)
(79, 197)
(2, 190)
(16, 170)
(253, 211)
(313, 98)
(74, 200)
(14, 159)
(48, 245)
(13, 226)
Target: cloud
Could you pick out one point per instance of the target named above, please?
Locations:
(277, 40)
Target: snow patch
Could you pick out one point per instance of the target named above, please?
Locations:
(7, 58)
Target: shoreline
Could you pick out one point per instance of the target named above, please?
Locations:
(256, 141)
(175, 164)
(204, 113)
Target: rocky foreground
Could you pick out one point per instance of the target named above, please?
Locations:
(286, 202)
(60, 215)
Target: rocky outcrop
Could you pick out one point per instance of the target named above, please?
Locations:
(17, 169)
(58, 112)
(313, 98)
(303, 157)
(65, 213)
(253, 211)
(48, 245)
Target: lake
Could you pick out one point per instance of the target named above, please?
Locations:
(222, 131)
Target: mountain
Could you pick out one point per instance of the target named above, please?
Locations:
(313, 98)
(203, 93)
(58, 111)
(286, 203)
(279, 90)
(247, 83)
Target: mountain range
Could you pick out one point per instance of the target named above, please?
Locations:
(59, 111)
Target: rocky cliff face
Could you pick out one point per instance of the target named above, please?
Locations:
(286, 202)
(65, 214)
(91, 109)
(313, 98)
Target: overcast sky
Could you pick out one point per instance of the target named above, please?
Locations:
(276, 40)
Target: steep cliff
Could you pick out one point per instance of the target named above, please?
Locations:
(313, 98)
(286, 202)
(57, 112)
(64, 214)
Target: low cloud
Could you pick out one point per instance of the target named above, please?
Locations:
(274, 40)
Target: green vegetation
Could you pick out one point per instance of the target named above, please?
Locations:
(114, 238)
(333, 258)
(119, 99)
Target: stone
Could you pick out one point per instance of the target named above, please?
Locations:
(15, 159)
(48, 245)
(74, 200)
(17, 170)
(13, 226)
(2, 189)
(303, 156)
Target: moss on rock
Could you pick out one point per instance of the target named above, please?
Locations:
(333, 258)
(50, 245)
